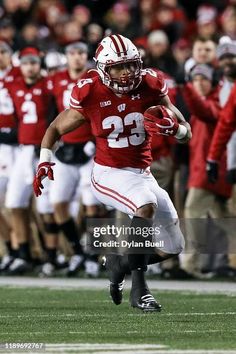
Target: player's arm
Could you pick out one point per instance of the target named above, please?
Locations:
(222, 134)
(65, 122)
(204, 109)
(165, 101)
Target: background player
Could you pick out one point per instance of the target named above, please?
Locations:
(8, 143)
(73, 161)
(31, 99)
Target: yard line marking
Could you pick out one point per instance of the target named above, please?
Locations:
(129, 314)
(111, 332)
(137, 351)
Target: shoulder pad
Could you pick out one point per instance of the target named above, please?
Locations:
(155, 79)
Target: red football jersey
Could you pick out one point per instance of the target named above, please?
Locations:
(117, 120)
(31, 104)
(61, 86)
(7, 117)
(225, 127)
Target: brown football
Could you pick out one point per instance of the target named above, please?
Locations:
(159, 112)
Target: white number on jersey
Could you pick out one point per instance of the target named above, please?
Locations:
(83, 82)
(137, 136)
(151, 72)
(6, 104)
(30, 116)
(66, 98)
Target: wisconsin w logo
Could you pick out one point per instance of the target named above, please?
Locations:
(121, 107)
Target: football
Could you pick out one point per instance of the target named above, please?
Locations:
(160, 120)
(159, 112)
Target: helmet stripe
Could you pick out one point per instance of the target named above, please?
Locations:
(116, 45)
(122, 43)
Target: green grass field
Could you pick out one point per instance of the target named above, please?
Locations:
(187, 321)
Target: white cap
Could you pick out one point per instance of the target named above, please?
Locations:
(158, 36)
(54, 60)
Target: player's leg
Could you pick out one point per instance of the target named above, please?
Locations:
(6, 162)
(128, 192)
(50, 230)
(92, 210)
(62, 192)
(18, 200)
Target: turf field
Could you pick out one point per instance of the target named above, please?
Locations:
(188, 320)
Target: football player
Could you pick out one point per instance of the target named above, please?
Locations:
(8, 142)
(73, 160)
(114, 102)
(31, 100)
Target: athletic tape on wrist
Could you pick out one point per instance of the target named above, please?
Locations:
(45, 155)
(181, 132)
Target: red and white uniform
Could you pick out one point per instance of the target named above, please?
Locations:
(121, 175)
(224, 129)
(71, 180)
(117, 121)
(31, 105)
(8, 151)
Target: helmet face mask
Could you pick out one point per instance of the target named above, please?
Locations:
(119, 64)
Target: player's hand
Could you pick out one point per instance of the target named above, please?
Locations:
(44, 170)
(212, 168)
(156, 121)
(231, 176)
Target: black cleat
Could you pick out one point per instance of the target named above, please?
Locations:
(116, 292)
(146, 303)
(116, 271)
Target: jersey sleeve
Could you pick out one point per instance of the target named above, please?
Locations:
(79, 95)
(224, 129)
(156, 80)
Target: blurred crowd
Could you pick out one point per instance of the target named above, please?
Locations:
(194, 45)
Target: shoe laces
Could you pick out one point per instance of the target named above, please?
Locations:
(147, 299)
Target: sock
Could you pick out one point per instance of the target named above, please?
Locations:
(71, 232)
(9, 248)
(138, 261)
(15, 253)
(138, 282)
(51, 255)
(24, 251)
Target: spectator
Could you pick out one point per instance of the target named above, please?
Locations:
(159, 55)
(206, 22)
(93, 36)
(203, 52)
(181, 52)
(228, 22)
(81, 15)
(71, 32)
(203, 199)
(146, 8)
(168, 19)
(121, 21)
